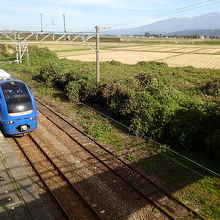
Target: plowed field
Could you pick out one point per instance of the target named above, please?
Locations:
(202, 56)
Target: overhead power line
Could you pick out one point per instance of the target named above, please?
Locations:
(180, 9)
(170, 12)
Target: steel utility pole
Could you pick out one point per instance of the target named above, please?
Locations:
(64, 23)
(97, 54)
(41, 21)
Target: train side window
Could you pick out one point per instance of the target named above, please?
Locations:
(0, 96)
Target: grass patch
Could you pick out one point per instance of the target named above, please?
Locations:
(71, 50)
(201, 193)
(99, 128)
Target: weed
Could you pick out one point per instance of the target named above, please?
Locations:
(132, 158)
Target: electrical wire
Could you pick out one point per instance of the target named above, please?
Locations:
(150, 139)
(180, 9)
(153, 141)
(170, 12)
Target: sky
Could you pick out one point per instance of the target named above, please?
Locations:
(84, 15)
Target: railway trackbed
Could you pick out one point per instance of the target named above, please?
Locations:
(70, 201)
(94, 185)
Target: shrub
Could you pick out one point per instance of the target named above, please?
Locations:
(73, 91)
(41, 56)
(156, 100)
(195, 129)
(51, 72)
(144, 79)
(3, 51)
(114, 63)
(7, 52)
(212, 88)
(116, 96)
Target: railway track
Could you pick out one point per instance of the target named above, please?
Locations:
(70, 201)
(163, 201)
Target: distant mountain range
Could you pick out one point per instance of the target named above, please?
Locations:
(209, 22)
(205, 32)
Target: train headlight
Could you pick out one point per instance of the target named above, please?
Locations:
(20, 108)
(10, 122)
(32, 118)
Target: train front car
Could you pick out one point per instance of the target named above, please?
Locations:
(18, 111)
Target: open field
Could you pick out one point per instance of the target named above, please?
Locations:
(176, 54)
(202, 57)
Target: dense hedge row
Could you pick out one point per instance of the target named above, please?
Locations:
(177, 106)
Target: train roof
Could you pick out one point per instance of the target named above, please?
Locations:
(4, 80)
(11, 80)
(4, 75)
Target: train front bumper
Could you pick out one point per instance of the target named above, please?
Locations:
(19, 126)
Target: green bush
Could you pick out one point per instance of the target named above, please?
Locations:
(7, 52)
(116, 97)
(167, 104)
(212, 88)
(51, 73)
(41, 56)
(114, 63)
(73, 91)
(195, 129)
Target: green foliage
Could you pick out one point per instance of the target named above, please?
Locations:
(177, 106)
(155, 100)
(116, 97)
(100, 129)
(144, 79)
(40, 56)
(212, 88)
(73, 91)
(56, 74)
(114, 63)
(132, 158)
(195, 129)
(3, 51)
(7, 52)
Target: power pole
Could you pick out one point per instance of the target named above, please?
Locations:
(27, 56)
(97, 54)
(64, 23)
(41, 21)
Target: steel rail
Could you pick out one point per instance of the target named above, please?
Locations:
(124, 163)
(65, 178)
(64, 212)
(155, 204)
(61, 174)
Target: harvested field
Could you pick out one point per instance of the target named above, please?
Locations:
(174, 48)
(68, 54)
(61, 47)
(129, 57)
(132, 57)
(196, 60)
(187, 50)
(203, 56)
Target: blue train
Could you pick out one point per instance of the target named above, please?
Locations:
(18, 110)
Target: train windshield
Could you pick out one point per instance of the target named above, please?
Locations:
(17, 97)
